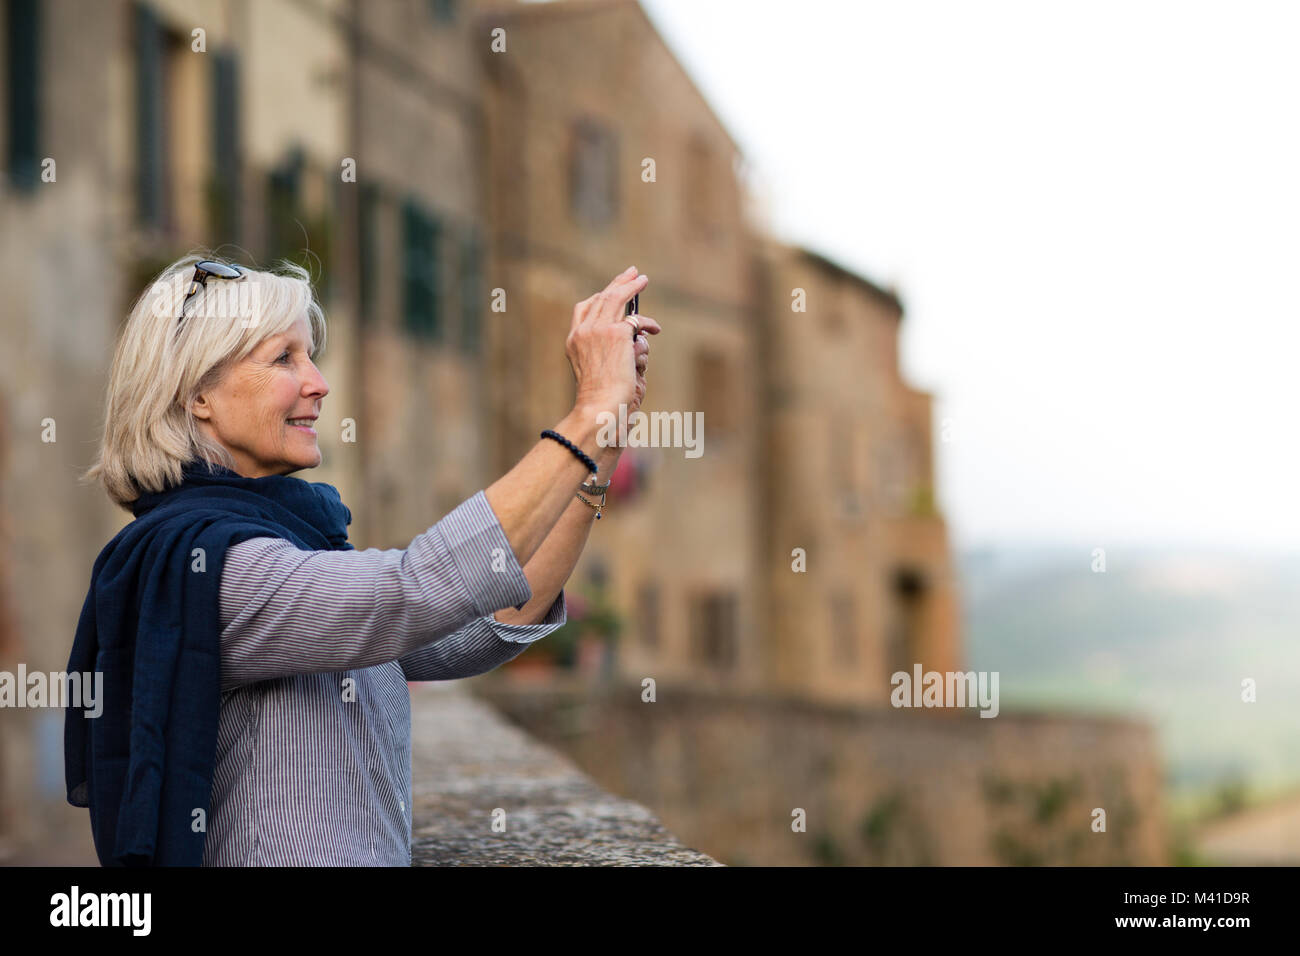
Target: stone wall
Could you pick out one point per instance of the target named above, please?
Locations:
(470, 766)
(878, 786)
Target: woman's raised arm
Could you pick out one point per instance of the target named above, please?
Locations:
(530, 498)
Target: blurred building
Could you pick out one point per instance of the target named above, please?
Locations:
(602, 152)
(507, 155)
(848, 478)
(1263, 835)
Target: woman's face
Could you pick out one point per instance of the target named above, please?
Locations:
(249, 411)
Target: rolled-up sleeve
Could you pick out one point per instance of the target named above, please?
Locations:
(480, 646)
(286, 611)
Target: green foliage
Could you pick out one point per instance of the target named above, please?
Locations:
(1010, 850)
(1043, 830)
(1183, 851)
(825, 851)
(893, 835)
(1050, 799)
(561, 645)
(600, 618)
(878, 821)
(1230, 797)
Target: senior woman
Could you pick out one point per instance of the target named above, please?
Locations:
(255, 663)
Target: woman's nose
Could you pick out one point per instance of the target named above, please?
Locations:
(316, 382)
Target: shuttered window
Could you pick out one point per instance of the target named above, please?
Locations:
(714, 392)
(713, 625)
(442, 11)
(422, 273)
(471, 292)
(151, 136)
(648, 614)
(593, 173)
(23, 92)
(284, 214)
(226, 221)
(844, 629)
(368, 214)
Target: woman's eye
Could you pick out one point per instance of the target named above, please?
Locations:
(283, 357)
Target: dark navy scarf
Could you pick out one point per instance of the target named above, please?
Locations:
(150, 624)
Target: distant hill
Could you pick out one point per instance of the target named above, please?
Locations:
(1162, 633)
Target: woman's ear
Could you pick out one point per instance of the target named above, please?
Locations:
(200, 408)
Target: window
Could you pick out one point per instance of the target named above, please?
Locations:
(471, 304)
(890, 477)
(284, 234)
(442, 11)
(841, 470)
(368, 214)
(593, 173)
(421, 273)
(150, 104)
(905, 596)
(700, 189)
(714, 392)
(647, 605)
(713, 630)
(846, 486)
(167, 128)
(844, 625)
(225, 195)
(23, 92)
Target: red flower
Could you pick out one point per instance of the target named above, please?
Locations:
(575, 606)
(626, 482)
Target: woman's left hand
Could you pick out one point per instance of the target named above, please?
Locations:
(641, 355)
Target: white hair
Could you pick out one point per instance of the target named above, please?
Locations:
(162, 365)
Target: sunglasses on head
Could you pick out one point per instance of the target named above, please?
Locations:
(202, 270)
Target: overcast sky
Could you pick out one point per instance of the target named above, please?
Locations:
(1092, 214)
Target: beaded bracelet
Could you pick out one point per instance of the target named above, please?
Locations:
(584, 458)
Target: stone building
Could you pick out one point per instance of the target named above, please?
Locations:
(462, 174)
(130, 135)
(603, 154)
(848, 485)
(811, 438)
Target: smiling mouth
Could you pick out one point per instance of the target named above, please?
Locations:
(304, 423)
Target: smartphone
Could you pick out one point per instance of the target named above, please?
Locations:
(631, 309)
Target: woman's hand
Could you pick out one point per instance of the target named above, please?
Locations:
(608, 365)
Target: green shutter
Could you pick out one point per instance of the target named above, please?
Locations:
(413, 298)
(444, 11)
(149, 118)
(367, 211)
(284, 237)
(434, 278)
(471, 304)
(23, 54)
(422, 275)
(226, 196)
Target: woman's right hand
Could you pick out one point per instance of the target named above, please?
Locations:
(601, 351)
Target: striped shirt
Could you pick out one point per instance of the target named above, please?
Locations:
(313, 762)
